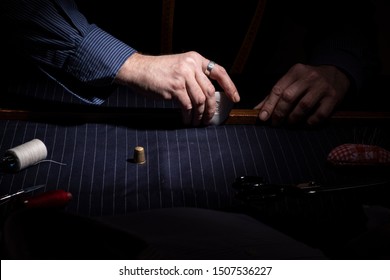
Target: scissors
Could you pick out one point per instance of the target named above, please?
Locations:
(5, 198)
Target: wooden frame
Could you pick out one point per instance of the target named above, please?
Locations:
(170, 116)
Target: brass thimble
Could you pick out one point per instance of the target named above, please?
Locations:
(139, 155)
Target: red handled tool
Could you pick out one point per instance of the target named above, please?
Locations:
(49, 199)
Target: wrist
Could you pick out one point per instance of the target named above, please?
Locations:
(130, 70)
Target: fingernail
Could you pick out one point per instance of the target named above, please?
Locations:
(264, 115)
(236, 97)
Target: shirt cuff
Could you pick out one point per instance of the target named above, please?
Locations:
(346, 62)
(98, 58)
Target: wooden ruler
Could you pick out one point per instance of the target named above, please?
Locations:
(162, 116)
(250, 116)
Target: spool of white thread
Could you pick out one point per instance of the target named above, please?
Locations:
(25, 155)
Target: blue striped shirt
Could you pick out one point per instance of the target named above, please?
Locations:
(64, 45)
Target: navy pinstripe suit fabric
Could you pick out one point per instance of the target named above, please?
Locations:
(185, 166)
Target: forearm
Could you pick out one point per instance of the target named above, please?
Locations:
(359, 62)
(60, 40)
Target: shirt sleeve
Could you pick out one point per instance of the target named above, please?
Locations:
(58, 38)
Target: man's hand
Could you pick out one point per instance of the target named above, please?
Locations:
(180, 77)
(305, 93)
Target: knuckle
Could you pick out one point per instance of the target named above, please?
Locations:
(188, 63)
(210, 90)
(193, 54)
(278, 115)
(277, 90)
(178, 85)
(330, 91)
(299, 67)
(288, 95)
(210, 113)
(313, 74)
(321, 116)
(199, 100)
(305, 105)
(187, 106)
(221, 70)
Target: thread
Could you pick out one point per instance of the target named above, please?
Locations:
(25, 155)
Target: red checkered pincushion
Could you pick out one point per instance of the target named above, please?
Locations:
(359, 154)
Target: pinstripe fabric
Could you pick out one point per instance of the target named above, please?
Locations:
(185, 167)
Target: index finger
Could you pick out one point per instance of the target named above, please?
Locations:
(268, 105)
(219, 74)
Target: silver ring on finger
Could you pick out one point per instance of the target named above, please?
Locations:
(209, 68)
